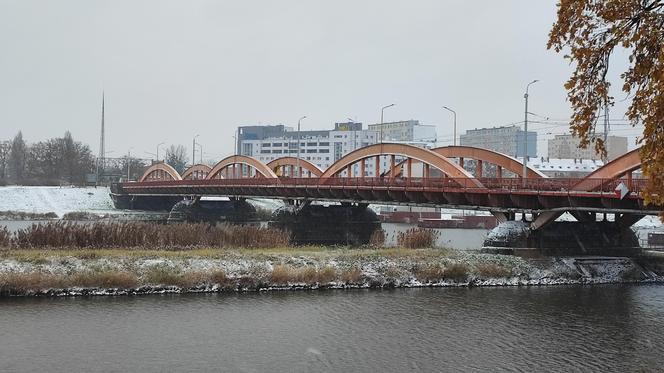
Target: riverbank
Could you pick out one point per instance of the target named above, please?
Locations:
(133, 271)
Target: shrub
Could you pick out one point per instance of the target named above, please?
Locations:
(327, 274)
(219, 277)
(282, 274)
(168, 276)
(493, 271)
(416, 238)
(20, 283)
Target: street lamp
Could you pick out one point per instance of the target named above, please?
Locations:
(298, 147)
(381, 120)
(525, 134)
(193, 151)
(201, 147)
(129, 163)
(157, 154)
(453, 112)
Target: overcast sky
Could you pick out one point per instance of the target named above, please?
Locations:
(171, 70)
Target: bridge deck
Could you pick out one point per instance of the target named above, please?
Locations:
(496, 194)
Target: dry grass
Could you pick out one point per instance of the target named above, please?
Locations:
(352, 276)
(62, 234)
(456, 272)
(219, 277)
(492, 271)
(5, 237)
(416, 238)
(378, 238)
(19, 283)
(429, 273)
(168, 276)
(107, 279)
(285, 274)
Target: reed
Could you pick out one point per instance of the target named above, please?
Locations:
(417, 238)
(64, 234)
(492, 271)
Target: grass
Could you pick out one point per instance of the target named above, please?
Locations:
(285, 274)
(492, 271)
(416, 238)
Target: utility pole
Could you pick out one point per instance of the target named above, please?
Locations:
(453, 112)
(102, 151)
(193, 151)
(297, 168)
(525, 135)
(606, 132)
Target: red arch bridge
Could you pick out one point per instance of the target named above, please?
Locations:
(412, 176)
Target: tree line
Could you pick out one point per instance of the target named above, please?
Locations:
(63, 160)
(51, 162)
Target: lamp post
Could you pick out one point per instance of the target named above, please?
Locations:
(525, 134)
(298, 147)
(157, 154)
(129, 164)
(453, 112)
(381, 120)
(200, 146)
(193, 151)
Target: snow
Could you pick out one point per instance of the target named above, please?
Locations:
(59, 200)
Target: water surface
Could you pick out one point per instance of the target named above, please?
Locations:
(559, 329)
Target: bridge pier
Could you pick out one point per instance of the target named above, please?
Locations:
(586, 236)
(344, 224)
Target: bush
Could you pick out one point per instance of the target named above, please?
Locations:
(416, 238)
(430, 273)
(352, 276)
(121, 280)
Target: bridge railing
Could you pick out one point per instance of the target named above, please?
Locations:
(507, 184)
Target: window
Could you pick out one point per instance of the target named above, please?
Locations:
(265, 145)
(324, 144)
(311, 144)
(277, 144)
(265, 151)
(276, 152)
(324, 150)
(312, 151)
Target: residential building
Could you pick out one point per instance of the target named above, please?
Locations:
(320, 147)
(407, 131)
(507, 140)
(573, 168)
(567, 146)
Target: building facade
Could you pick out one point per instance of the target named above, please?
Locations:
(567, 146)
(406, 131)
(320, 147)
(508, 140)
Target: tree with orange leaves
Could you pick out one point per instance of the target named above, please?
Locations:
(589, 31)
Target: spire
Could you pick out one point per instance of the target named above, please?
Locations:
(102, 150)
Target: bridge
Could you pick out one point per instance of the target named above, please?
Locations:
(414, 176)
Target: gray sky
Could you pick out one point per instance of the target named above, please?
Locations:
(172, 70)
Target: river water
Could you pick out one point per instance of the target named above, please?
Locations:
(554, 329)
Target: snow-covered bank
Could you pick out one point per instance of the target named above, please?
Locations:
(59, 200)
(85, 273)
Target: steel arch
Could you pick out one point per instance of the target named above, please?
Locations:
(436, 160)
(159, 169)
(257, 165)
(618, 167)
(293, 161)
(200, 168)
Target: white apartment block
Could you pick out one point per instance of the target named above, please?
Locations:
(567, 146)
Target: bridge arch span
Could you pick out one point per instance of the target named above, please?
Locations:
(501, 160)
(233, 160)
(160, 171)
(278, 166)
(618, 167)
(197, 171)
(425, 156)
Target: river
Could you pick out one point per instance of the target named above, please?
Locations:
(554, 329)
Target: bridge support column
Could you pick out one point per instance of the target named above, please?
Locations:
(377, 166)
(478, 172)
(362, 167)
(344, 224)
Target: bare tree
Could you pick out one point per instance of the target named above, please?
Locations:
(176, 156)
(5, 147)
(17, 155)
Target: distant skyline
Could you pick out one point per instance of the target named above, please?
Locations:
(171, 70)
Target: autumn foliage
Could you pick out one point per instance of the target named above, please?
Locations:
(589, 31)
